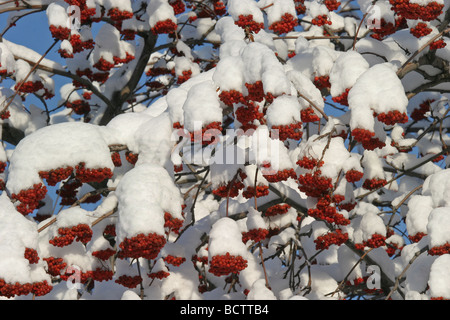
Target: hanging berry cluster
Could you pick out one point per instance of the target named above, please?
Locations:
(287, 23)
(81, 232)
(141, 245)
(414, 11)
(29, 199)
(225, 264)
(9, 290)
(246, 22)
(332, 238)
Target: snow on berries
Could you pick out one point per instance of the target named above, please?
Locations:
(246, 14)
(345, 72)
(140, 229)
(418, 9)
(161, 17)
(21, 269)
(226, 249)
(387, 100)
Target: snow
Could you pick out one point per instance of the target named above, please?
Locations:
(346, 71)
(57, 146)
(144, 194)
(57, 16)
(438, 226)
(225, 237)
(439, 281)
(245, 8)
(419, 208)
(202, 96)
(284, 110)
(386, 96)
(437, 187)
(160, 10)
(17, 233)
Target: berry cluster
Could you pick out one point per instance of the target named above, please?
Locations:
(291, 131)
(250, 192)
(103, 65)
(420, 30)
(280, 175)
(385, 29)
(314, 184)
(129, 281)
(219, 8)
(81, 232)
(158, 275)
(415, 11)
(5, 114)
(68, 192)
(332, 4)
(246, 22)
(300, 7)
(392, 117)
(141, 245)
(342, 98)
(439, 250)
(29, 86)
(287, 23)
(321, 20)
(178, 6)
(157, 71)
(329, 214)
(367, 139)
(309, 115)
(41, 288)
(9, 290)
(255, 235)
(246, 115)
(255, 91)
(175, 261)
(172, 224)
(131, 157)
(55, 265)
(438, 44)
(373, 184)
(337, 238)
(277, 210)
(86, 175)
(56, 175)
(424, 107)
(79, 45)
(230, 97)
(309, 163)
(2, 166)
(128, 57)
(104, 254)
(322, 82)
(115, 157)
(207, 134)
(31, 255)
(353, 175)
(101, 274)
(225, 264)
(230, 189)
(118, 15)
(30, 199)
(375, 241)
(166, 26)
(60, 33)
(186, 75)
(417, 237)
(80, 107)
